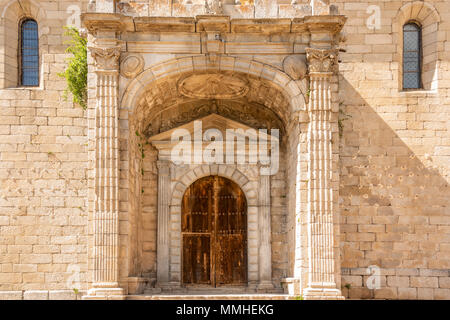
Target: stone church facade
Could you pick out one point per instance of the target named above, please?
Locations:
(92, 205)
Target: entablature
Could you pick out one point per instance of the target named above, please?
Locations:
(211, 23)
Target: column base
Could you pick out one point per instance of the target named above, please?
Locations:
(265, 286)
(291, 286)
(322, 294)
(137, 285)
(168, 286)
(104, 294)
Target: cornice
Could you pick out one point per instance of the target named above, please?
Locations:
(211, 23)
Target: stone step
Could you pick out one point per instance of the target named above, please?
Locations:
(222, 291)
(211, 297)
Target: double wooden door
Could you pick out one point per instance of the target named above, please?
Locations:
(214, 231)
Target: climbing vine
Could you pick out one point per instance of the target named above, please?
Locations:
(77, 68)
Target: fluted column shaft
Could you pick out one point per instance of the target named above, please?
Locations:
(163, 222)
(264, 222)
(321, 206)
(106, 207)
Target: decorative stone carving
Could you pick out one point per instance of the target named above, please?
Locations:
(132, 65)
(261, 118)
(295, 66)
(321, 60)
(214, 6)
(106, 58)
(213, 86)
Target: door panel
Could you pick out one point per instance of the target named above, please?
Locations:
(196, 255)
(214, 227)
(196, 230)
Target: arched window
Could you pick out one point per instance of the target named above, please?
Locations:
(412, 56)
(29, 53)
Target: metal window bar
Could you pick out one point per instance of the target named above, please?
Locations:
(29, 53)
(412, 56)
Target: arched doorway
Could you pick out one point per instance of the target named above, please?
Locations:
(214, 233)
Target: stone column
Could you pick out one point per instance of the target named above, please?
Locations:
(106, 207)
(162, 249)
(321, 206)
(265, 234)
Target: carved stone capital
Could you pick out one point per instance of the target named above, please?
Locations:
(321, 60)
(106, 59)
(163, 167)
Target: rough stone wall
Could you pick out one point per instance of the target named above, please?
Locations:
(394, 158)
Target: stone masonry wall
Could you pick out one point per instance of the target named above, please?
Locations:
(43, 171)
(395, 156)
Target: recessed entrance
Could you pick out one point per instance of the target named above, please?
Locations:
(214, 233)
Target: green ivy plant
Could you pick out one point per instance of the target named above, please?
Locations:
(77, 68)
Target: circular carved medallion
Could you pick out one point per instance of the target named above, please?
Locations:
(213, 86)
(132, 65)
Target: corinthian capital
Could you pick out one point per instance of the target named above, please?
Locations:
(321, 60)
(163, 167)
(106, 58)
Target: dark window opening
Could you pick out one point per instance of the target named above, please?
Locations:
(29, 53)
(412, 56)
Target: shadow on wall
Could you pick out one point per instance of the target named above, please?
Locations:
(394, 208)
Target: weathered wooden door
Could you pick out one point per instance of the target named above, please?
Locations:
(214, 230)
